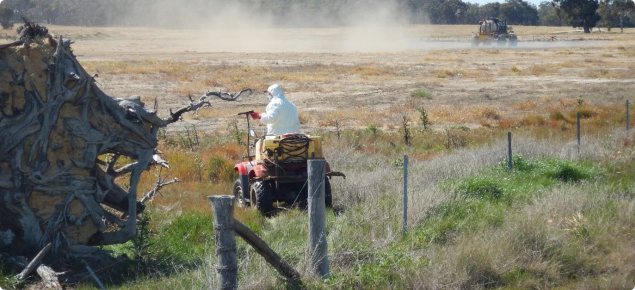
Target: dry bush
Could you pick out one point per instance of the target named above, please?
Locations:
(533, 120)
(446, 73)
(490, 113)
(372, 70)
(506, 124)
(526, 105)
(538, 70)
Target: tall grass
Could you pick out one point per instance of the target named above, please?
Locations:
(560, 219)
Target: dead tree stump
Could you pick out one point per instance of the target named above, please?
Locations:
(60, 140)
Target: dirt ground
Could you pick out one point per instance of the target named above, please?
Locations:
(464, 85)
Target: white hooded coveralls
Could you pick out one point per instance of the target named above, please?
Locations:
(281, 116)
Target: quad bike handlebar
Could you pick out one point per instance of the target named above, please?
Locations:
(246, 113)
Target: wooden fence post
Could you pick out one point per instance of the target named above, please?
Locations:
(223, 206)
(318, 247)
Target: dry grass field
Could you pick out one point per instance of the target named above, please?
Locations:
(561, 220)
(359, 76)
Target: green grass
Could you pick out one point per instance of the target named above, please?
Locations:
(7, 276)
(485, 200)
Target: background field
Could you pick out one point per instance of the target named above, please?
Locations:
(347, 73)
(561, 220)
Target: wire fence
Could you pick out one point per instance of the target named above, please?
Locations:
(509, 160)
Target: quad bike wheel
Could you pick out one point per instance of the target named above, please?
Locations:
(261, 192)
(238, 194)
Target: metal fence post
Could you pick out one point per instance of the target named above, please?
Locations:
(578, 123)
(224, 237)
(405, 194)
(627, 117)
(318, 247)
(510, 164)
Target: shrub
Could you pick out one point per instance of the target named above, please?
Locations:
(533, 120)
(568, 172)
(421, 94)
(585, 112)
(220, 169)
(558, 116)
(373, 129)
(482, 188)
(490, 113)
(520, 163)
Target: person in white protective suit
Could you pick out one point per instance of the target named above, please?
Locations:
(281, 116)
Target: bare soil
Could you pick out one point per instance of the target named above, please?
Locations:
(467, 86)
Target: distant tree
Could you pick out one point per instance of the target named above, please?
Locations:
(19, 7)
(445, 11)
(416, 11)
(490, 10)
(578, 13)
(616, 13)
(6, 15)
(472, 14)
(548, 15)
(519, 12)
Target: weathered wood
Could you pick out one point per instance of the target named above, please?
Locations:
(55, 125)
(49, 277)
(34, 263)
(266, 252)
(318, 248)
(223, 206)
(15, 43)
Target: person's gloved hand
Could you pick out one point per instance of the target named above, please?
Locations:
(255, 115)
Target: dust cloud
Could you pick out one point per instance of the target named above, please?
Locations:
(374, 26)
(371, 26)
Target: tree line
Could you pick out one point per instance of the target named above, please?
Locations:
(314, 13)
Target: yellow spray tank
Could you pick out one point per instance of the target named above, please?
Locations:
(289, 147)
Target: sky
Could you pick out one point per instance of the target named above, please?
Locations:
(481, 2)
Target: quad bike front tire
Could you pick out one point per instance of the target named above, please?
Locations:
(262, 193)
(238, 194)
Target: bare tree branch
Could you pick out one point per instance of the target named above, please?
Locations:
(148, 196)
(202, 102)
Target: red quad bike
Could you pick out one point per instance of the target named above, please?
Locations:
(277, 171)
